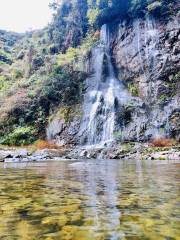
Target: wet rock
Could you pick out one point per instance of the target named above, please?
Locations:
(146, 53)
(174, 122)
(84, 153)
(165, 155)
(21, 153)
(4, 154)
(63, 133)
(55, 127)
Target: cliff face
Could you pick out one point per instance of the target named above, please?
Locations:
(145, 53)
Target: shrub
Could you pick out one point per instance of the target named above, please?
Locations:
(3, 83)
(176, 77)
(21, 136)
(5, 57)
(92, 15)
(37, 62)
(163, 142)
(133, 89)
(67, 58)
(16, 74)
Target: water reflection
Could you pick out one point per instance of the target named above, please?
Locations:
(100, 182)
(100, 200)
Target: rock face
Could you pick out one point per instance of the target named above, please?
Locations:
(146, 54)
(63, 133)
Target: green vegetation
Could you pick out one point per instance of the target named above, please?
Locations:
(20, 136)
(5, 57)
(42, 71)
(67, 113)
(92, 15)
(154, 7)
(73, 20)
(176, 77)
(37, 82)
(171, 88)
(133, 89)
(63, 86)
(3, 83)
(74, 57)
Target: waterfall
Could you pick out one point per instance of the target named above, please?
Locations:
(104, 91)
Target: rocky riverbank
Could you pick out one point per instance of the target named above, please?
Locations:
(128, 151)
(28, 155)
(124, 151)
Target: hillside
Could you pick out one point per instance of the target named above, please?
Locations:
(43, 73)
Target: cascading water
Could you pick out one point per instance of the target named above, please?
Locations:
(104, 92)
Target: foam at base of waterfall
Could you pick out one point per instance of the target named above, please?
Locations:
(100, 145)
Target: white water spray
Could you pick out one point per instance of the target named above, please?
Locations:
(104, 89)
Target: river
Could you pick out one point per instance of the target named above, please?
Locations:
(89, 200)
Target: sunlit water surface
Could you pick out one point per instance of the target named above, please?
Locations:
(89, 200)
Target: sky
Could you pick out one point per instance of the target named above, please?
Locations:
(24, 15)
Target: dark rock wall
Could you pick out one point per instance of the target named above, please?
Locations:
(146, 54)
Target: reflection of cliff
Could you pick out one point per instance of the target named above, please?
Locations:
(100, 185)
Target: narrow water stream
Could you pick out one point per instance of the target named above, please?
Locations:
(94, 199)
(104, 92)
